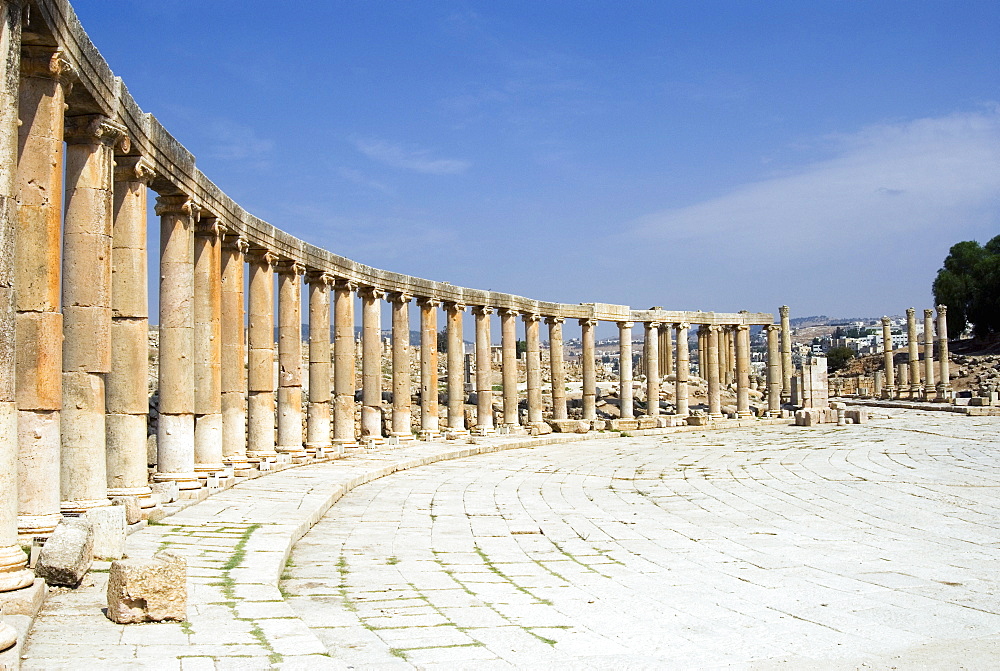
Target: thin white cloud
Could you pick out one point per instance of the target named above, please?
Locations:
(408, 158)
(234, 141)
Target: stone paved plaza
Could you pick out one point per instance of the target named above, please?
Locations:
(870, 546)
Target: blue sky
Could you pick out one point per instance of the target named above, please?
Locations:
(694, 155)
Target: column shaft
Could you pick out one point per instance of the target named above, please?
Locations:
(36, 260)
(889, 388)
(665, 348)
(127, 394)
(456, 363)
(260, 368)
(208, 347)
(712, 351)
(682, 370)
(944, 381)
(86, 298)
(533, 366)
(290, 417)
(557, 367)
(625, 397)
(484, 371)
(652, 357)
(318, 418)
(913, 352)
(928, 354)
(234, 356)
(429, 422)
(742, 346)
(786, 356)
(371, 363)
(589, 368)
(773, 370)
(508, 354)
(344, 365)
(401, 392)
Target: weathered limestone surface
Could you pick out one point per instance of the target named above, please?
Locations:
(290, 417)
(233, 377)
(148, 590)
(533, 368)
(928, 354)
(787, 370)
(68, 553)
(343, 365)
(484, 371)
(625, 396)
(401, 381)
(508, 354)
(682, 370)
(208, 347)
(652, 360)
(318, 426)
(371, 363)
(889, 386)
(429, 421)
(108, 528)
(260, 370)
(589, 368)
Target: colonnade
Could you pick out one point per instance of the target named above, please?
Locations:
(911, 379)
(75, 175)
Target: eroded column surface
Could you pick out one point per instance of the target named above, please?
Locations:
(725, 348)
(665, 348)
(786, 356)
(928, 354)
(36, 260)
(260, 367)
(913, 352)
(557, 367)
(234, 355)
(13, 574)
(484, 371)
(371, 363)
(290, 418)
(429, 422)
(508, 360)
(944, 381)
(625, 397)
(86, 298)
(589, 368)
(208, 347)
(712, 377)
(318, 428)
(682, 370)
(652, 357)
(127, 394)
(729, 351)
(456, 363)
(344, 365)
(773, 370)
(401, 383)
(533, 368)
(742, 345)
(889, 386)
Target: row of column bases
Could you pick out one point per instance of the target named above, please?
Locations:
(909, 381)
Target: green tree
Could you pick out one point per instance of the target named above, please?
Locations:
(837, 358)
(969, 284)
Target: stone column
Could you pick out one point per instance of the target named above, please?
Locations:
(371, 363)
(773, 370)
(702, 353)
(787, 370)
(533, 366)
(290, 417)
(260, 378)
(944, 383)
(557, 367)
(712, 350)
(456, 368)
(928, 354)
(665, 349)
(878, 378)
(401, 392)
(429, 422)
(589, 372)
(742, 345)
(484, 371)
(208, 347)
(318, 412)
(36, 257)
(508, 353)
(651, 354)
(86, 298)
(126, 384)
(726, 369)
(913, 352)
(344, 365)
(730, 355)
(682, 370)
(234, 356)
(889, 388)
(13, 574)
(625, 397)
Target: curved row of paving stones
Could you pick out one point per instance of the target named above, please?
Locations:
(838, 545)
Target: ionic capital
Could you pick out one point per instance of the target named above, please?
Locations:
(651, 325)
(425, 302)
(482, 310)
(683, 326)
(371, 293)
(236, 243)
(739, 328)
(96, 129)
(531, 317)
(453, 307)
(47, 62)
(344, 284)
(587, 321)
(209, 227)
(712, 328)
(319, 277)
(886, 321)
(133, 169)
(773, 328)
(626, 325)
(910, 312)
(928, 313)
(177, 205)
(942, 310)
(289, 267)
(783, 310)
(399, 297)
(555, 320)
(262, 257)
(507, 312)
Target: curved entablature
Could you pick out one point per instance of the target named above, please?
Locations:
(98, 91)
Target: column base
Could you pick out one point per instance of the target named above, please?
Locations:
(483, 431)
(204, 470)
(18, 579)
(403, 436)
(80, 506)
(183, 480)
(29, 526)
(143, 494)
(744, 414)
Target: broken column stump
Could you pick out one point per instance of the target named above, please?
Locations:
(148, 590)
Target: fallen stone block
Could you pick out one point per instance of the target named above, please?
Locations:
(167, 491)
(697, 420)
(108, 523)
(148, 590)
(646, 422)
(856, 415)
(569, 425)
(623, 424)
(133, 512)
(67, 554)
